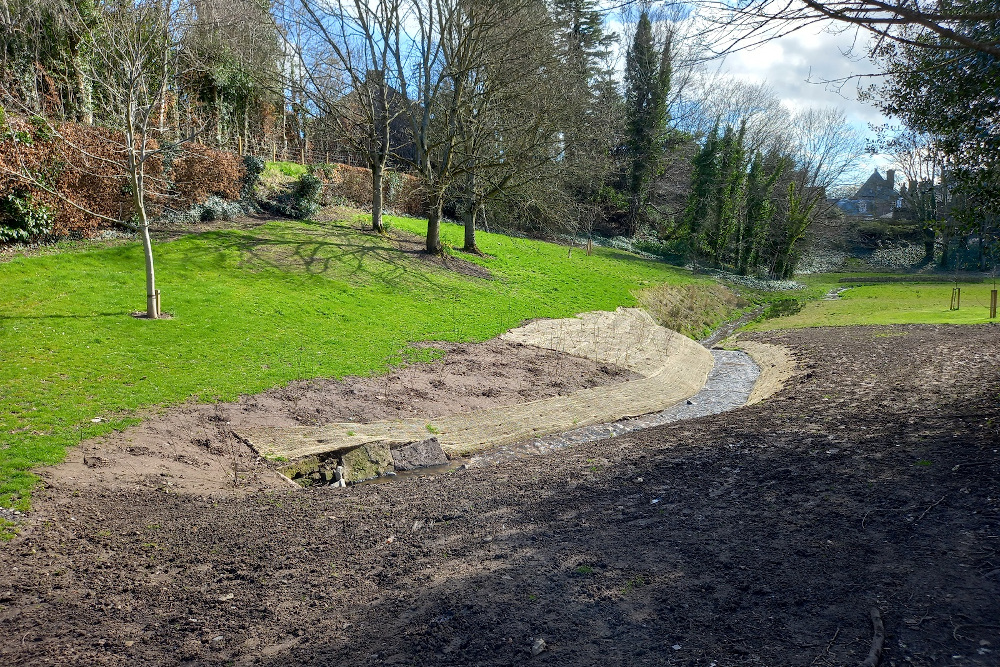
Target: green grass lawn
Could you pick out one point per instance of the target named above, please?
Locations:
(888, 303)
(252, 310)
(290, 170)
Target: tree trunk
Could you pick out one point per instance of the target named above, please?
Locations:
(152, 302)
(152, 298)
(82, 87)
(434, 225)
(470, 218)
(216, 117)
(634, 213)
(929, 236)
(378, 174)
(946, 248)
(982, 244)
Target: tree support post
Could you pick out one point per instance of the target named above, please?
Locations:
(993, 304)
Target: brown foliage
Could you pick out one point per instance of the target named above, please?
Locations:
(81, 172)
(201, 171)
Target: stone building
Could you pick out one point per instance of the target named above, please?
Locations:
(875, 199)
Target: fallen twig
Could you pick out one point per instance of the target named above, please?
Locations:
(875, 654)
(825, 653)
(932, 506)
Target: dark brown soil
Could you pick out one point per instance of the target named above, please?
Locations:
(758, 537)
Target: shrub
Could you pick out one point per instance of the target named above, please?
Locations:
(667, 249)
(308, 188)
(22, 217)
(217, 208)
(306, 198)
(302, 201)
(200, 172)
(253, 167)
(43, 131)
(400, 192)
(782, 307)
(79, 163)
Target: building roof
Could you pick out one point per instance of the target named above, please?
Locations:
(876, 187)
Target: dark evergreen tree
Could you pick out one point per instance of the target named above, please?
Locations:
(729, 195)
(760, 209)
(937, 87)
(591, 133)
(793, 224)
(647, 77)
(704, 176)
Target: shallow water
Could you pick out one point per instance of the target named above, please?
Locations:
(728, 387)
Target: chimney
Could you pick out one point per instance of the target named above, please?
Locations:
(890, 177)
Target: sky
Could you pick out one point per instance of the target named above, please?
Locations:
(811, 67)
(796, 66)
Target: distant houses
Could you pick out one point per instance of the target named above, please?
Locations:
(877, 198)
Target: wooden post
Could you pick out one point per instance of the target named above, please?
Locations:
(159, 310)
(590, 247)
(993, 304)
(956, 298)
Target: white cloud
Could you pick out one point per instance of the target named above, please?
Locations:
(812, 68)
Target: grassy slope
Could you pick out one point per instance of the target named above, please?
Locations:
(891, 303)
(254, 309)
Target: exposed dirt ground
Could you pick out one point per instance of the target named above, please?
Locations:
(192, 448)
(761, 536)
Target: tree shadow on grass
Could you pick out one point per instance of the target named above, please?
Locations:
(89, 316)
(342, 254)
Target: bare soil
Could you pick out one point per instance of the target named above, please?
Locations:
(192, 448)
(761, 536)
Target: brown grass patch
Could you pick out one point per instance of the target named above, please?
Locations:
(692, 309)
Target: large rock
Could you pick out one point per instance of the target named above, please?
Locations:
(367, 462)
(421, 454)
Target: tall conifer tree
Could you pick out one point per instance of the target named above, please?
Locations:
(647, 77)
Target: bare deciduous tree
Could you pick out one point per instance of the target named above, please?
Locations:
(747, 23)
(130, 42)
(350, 74)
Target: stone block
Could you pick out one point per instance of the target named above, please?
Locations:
(367, 462)
(421, 454)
